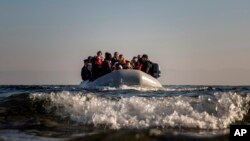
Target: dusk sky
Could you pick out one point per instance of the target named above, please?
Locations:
(196, 42)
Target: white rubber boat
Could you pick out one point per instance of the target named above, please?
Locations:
(128, 77)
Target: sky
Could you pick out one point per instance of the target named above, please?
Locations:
(195, 42)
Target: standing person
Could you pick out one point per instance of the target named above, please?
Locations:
(85, 73)
(146, 64)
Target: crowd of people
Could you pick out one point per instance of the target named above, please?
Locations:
(98, 65)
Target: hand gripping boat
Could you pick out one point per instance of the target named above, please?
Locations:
(128, 77)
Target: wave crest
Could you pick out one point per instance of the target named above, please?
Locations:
(216, 111)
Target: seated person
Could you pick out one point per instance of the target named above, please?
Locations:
(117, 66)
(97, 65)
(122, 60)
(134, 62)
(149, 67)
(85, 72)
(106, 66)
(146, 64)
(99, 58)
(115, 58)
(127, 65)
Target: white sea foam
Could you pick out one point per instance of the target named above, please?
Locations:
(184, 89)
(203, 112)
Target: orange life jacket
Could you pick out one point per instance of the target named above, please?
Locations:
(99, 60)
(139, 66)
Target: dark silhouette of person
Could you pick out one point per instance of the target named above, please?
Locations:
(115, 58)
(85, 72)
(106, 66)
(146, 64)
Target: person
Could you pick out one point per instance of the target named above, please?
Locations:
(127, 65)
(146, 64)
(115, 58)
(117, 66)
(99, 58)
(90, 63)
(97, 65)
(106, 66)
(90, 59)
(85, 73)
(122, 60)
(134, 62)
(149, 67)
(139, 64)
(139, 58)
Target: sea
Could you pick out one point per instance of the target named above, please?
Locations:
(171, 113)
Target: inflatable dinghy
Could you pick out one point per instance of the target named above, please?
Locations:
(128, 77)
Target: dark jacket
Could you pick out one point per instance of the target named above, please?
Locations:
(146, 66)
(113, 61)
(106, 66)
(85, 73)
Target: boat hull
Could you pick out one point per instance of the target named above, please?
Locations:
(127, 77)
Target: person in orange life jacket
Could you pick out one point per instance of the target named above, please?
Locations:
(122, 60)
(97, 65)
(99, 58)
(85, 72)
(146, 64)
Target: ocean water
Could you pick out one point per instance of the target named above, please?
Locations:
(70, 113)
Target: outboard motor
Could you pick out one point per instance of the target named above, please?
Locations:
(155, 70)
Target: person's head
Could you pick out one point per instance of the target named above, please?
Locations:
(93, 59)
(121, 57)
(86, 61)
(128, 65)
(144, 57)
(116, 54)
(108, 56)
(139, 56)
(99, 53)
(90, 59)
(135, 59)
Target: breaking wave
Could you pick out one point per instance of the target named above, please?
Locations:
(215, 111)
